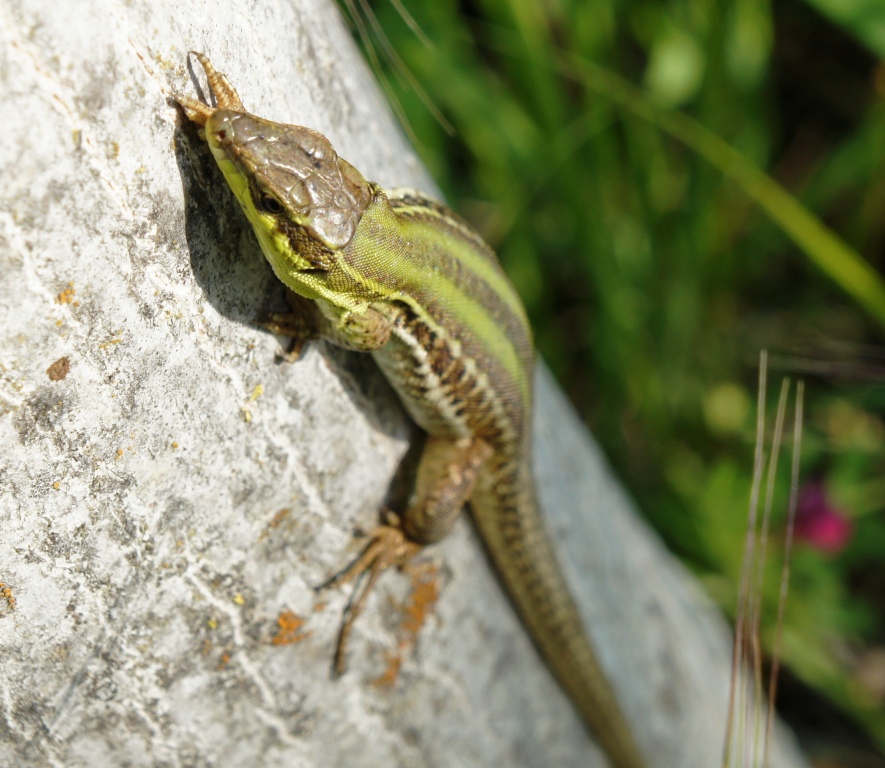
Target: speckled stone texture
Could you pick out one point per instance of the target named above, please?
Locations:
(170, 494)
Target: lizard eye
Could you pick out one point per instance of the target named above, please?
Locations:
(270, 204)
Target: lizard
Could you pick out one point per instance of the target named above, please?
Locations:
(400, 276)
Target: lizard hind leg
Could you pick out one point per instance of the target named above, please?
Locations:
(446, 478)
(225, 95)
(388, 546)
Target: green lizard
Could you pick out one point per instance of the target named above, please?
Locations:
(399, 275)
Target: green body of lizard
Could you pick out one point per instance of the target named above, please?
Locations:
(400, 276)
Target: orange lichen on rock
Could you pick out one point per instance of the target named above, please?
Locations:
(422, 600)
(275, 522)
(6, 594)
(59, 369)
(418, 606)
(388, 677)
(67, 296)
(289, 632)
(278, 518)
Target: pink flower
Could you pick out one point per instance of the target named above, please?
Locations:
(818, 522)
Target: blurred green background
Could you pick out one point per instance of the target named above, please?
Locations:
(674, 186)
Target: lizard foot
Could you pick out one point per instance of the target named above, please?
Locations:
(293, 324)
(388, 546)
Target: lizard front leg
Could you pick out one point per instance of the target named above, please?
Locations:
(362, 332)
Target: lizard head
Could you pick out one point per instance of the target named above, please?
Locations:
(303, 200)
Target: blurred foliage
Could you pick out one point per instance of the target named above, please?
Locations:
(654, 272)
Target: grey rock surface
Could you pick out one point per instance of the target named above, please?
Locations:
(170, 494)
